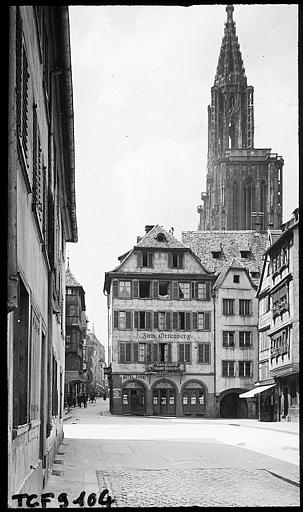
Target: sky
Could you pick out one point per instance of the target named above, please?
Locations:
(142, 77)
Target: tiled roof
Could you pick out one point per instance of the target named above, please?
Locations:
(70, 280)
(232, 242)
(232, 263)
(149, 240)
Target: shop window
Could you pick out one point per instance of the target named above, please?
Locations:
(228, 339)
(244, 307)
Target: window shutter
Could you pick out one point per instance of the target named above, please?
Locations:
(121, 352)
(175, 290)
(169, 353)
(175, 320)
(170, 260)
(136, 352)
(115, 288)
(116, 321)
(139, 259)
(148, 319)
(150, 259)
(207, 290)
(156, 320)
(155, 352)
(135, 289)
(128, 354)
(195, 320)
(187, 351)
(207, 321)
(181, 352)
(136, 319)
(148, 353)
(155, 289)
(167, 320)
(207, 353)
(187, 321)
(194, 290)
(128, 319)
(200, 353)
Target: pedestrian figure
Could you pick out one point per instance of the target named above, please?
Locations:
(74, 400)
(104, 396)
(79, 399)
(84, 399)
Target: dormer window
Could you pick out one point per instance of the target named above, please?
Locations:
(161, 237)
(245, 253)
(216, 251)
(175, 260)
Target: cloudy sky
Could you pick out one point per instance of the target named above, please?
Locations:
(141, 80)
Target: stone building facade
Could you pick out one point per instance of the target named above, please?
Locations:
(160, 317)
(94, 361)
(235, 258)
(41, 219)
(75, 325)
(243, 183)
(278, 296)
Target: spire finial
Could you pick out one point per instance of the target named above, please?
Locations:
(229, 10)
(67, 262)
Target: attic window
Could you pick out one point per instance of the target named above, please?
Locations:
(245, 253)
(255, 275)
(160, 237)
(236, 278)
(216, 253)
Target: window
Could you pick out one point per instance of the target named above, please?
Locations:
(164, 289)
(245, 369)
(164, 352)
(161, 237)
(263, 370)
(245, 254)
(201, 290)
(244, 307)
(228, 306)
(20, 360)
(175, 260)
(184, 352)
(22, 86)
(122, 319)
(181, 320)
(55, 388)
(39, 176)
(184, 290)
(201, 321)
(228, 339)
(161, 320)
(144, 289)
(255, 275)
(142, 319)
(67, 338)
(245, 339)
(125, 352)
(125, 289)
(236, 278)
(204, 353)
(280, 301)
(228, 368)
(69, 291)
(145, 259)
(139, 352)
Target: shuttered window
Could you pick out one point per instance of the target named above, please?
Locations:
(204, 353)
(115, 288)
(128, 320)
(156, 320)
(175, 290)
(167, 321)
(39, 176)
(128, 353)
(136, 352)
(155, 289)
(22, 89)
(136, 289)
(125, 352)
(200, 290)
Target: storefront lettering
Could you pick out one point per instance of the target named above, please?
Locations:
(132, 376)
(165, 336)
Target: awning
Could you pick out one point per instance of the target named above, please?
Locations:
(256, 391)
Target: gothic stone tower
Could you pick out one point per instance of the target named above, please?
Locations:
(243, 184)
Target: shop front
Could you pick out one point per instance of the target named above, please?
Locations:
(133, 398)
(193, 399)
(164, 399)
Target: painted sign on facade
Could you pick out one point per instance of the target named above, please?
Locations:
(167, 336)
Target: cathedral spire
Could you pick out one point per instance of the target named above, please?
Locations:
(230, 69)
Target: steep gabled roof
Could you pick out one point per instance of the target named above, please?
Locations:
(70, 279)
(150, 241)
(234, 264)
(231, 243)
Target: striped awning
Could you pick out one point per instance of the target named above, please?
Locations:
(256, 391)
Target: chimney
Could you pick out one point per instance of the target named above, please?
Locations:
(148, 227)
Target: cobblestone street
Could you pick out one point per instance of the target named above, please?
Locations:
(198, 487)
(170, 462)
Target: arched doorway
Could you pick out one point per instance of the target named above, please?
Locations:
(164, 399)
(133, 398)
(193, 399)
(231, 406)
